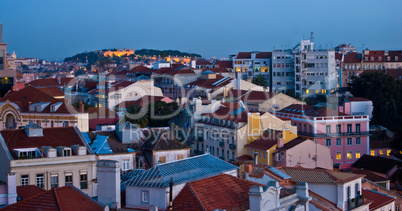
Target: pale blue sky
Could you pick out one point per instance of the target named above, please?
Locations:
(57, 29)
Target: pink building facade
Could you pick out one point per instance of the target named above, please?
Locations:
(346, 135)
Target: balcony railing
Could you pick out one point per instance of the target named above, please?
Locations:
(324, 135)
(232, 146)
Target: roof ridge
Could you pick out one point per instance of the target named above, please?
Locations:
(57, 199)
(196, 196)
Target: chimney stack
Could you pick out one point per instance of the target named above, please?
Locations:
(108, 172)
(11, 188)
(82, 108)
(171, 184)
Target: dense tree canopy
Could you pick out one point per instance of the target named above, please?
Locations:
(260, 80)
(158, 114)
(383, 90)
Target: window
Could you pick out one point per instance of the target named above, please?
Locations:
(349, 128)
(349, 155)
(381, 152)
(328, 129)
(162, 159)
(372, 153)
(338, 128)
(265, 154)
(357, 154)
(67, 152)
(259, 153)
(338, 155)
(54, 180)
(349, 141)
(179, 157)
(40, 181)
(328, 142)
(278, 156)
(338, 142)
(388, 152)
(68, 178)
(24, 180)
(357, 128)
(125, 165)
(83, 180)
(358, 142)
(145, 196)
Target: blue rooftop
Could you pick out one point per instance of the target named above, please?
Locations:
(182, 171)
(279, 172)
(100, 145)
(238, 111)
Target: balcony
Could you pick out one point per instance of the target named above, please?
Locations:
(222, 144)
(325, 135)
(232, 146)
(355, 202)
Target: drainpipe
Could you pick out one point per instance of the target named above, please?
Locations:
(171, 192)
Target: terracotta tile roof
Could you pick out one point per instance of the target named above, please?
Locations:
(28, 95)
(229, 111)
(223, 64)
(217, 70)
(245, 157)
(370, 175)
(299, 174)
(375, 55)
(243, 55)
(394, 56)
(93, 122)
(175, 70)
(292, 144)
(54, 137)
(142, 102)
(163, 140)
(28, 191)
(68, 81)
(378, 199)
(101, 112)
(357, 99)
(265, 141)
(352, 58)
(115, 86)
(203, 62)
(209, 83)
(140, 69)
(253, 96)
(322, 203)
(263, 55)
(338, 56)
(51, 91)
(396, 73)
(46, 82)
(311, 111)
(376, 163)
(229, 193)
(67, 198)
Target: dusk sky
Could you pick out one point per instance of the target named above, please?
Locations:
(49, 29)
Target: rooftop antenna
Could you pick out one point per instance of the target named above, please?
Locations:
(312, 36)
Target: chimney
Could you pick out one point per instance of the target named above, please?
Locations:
(248, 168)
(255, 158)
(265, 198)
(302, 193)
(11, 188)
(249, 79)
(82, 108)
(279, 143)
(171, 184)
(108, 173)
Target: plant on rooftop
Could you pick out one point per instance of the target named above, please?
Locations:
(260, 80)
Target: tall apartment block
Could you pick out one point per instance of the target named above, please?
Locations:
(305, 70)
(7, 77)
(250, 64)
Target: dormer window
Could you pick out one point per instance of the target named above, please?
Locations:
(27, 153)
(371, 58)
(379, 58)
(66, 152)
(396, 58)
(389, 58)
(366, 58)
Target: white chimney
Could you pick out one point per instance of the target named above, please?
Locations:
(108, 172)
(11, 188)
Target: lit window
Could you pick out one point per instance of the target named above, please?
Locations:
(372, 153)
(338, 155)
(388, 152)
(349, 155)
(54, 180)
(357, 154)
(381, 152)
